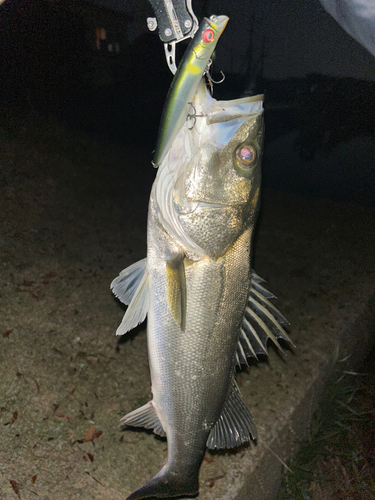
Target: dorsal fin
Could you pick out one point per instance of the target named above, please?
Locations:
(131, 287)
(235, 425)
(146, 417)
(262, 320)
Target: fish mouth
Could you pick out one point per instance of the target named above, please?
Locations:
(235, 109)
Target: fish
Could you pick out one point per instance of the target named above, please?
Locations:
(184, 85)
(207, 310)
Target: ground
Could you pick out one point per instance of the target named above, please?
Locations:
(73, 215)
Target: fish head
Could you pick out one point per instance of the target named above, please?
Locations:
(217, 189)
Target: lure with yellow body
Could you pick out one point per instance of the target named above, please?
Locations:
(185, 83)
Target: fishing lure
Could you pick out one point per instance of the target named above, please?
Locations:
(185, 83)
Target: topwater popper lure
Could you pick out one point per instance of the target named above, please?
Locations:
(185, 83)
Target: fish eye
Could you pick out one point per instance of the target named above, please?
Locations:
(246, 155)
(208, 36)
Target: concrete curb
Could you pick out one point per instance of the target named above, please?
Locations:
(263, 482)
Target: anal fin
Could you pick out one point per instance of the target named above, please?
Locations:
(235, 425)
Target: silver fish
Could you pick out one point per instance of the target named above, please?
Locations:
(207, 310)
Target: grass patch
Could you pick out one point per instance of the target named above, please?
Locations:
(338, 460)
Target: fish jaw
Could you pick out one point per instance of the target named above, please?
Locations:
(185, 83)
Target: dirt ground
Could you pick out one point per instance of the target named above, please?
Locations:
(71, 219)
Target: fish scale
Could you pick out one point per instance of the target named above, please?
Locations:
(198, 382)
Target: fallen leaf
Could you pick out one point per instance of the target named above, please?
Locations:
(37, 385)
(68, 418)
(33, 479)
(211, 481)
(55, 408)
(91, 434)
(47, 277)
(208, 458)
(21, 375)
(28, 283)
(57, 351)
(14, 417)
(7, 333)
(15, 487)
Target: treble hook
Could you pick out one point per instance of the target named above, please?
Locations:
(194, 115)
(215, 81)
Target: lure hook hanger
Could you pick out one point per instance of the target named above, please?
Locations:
(210, 80)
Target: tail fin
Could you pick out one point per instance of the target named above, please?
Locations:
(167, 485)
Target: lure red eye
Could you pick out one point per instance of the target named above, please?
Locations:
(208, 36)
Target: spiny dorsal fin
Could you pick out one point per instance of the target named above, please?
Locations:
(126, 284)
(146, 417)
(235, 425)
(132, 286)
(176, 289)
(262, 321)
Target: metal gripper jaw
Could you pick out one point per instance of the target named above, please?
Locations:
(176, 22)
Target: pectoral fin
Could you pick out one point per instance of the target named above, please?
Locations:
(176, 290)
(132, 286)
(235, 425)
(126, 284)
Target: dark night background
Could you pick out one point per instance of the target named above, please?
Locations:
(318, 82)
